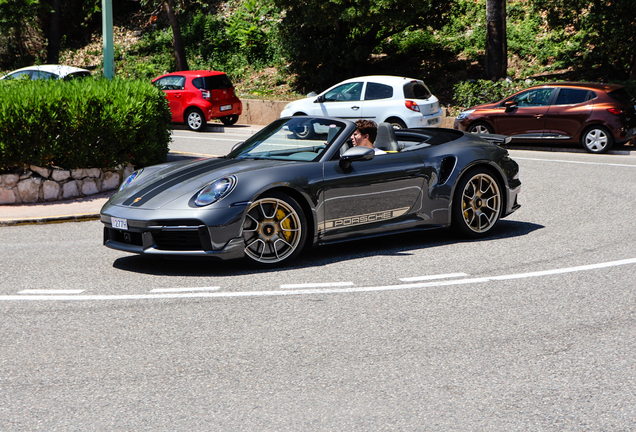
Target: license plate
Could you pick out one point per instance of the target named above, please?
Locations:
(226, 107)
(432, 121)
(119, 223)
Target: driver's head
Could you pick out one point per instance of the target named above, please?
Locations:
(367, 127)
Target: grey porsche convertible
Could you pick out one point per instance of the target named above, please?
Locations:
(298, 183)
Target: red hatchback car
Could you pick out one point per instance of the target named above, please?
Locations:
(595, 115)
(197, 96)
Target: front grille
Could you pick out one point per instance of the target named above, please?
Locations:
(177, 240)
(128, 237)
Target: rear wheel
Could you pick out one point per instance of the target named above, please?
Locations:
(480, 128)
(477, 203)
(396, 123)
(597, 139)
(195, 120)
(274, 230)
(229, 120)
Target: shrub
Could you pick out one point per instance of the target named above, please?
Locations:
(82, 123)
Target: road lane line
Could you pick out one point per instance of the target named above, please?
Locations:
(49, 292)
(207, 138)
(334, 290)
(433, 277)
(317, 285)
(576, 162)
(181, 290)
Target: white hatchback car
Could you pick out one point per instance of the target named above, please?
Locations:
(403, 102)
(48, 72)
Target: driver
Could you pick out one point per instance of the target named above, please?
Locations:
(365, 135)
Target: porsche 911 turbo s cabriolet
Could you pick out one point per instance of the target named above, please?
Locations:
(283, 190)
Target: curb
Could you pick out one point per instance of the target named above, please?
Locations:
(50, 219)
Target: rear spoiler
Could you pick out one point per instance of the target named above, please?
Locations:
(500, 140)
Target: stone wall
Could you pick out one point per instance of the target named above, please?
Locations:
(38, 184)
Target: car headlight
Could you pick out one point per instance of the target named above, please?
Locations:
(462, 115)
(215, 191)
(131, 178)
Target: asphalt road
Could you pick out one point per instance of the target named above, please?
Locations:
(531, 329)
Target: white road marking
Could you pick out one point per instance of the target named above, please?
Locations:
(576, 162)
(181, 290)
(321, 291)
(433, 277)
(50, 292)
(207, 138)
(317, 285)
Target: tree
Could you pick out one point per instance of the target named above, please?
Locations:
(326, 40)
(496, 61)
(171, 11)
(53, 48)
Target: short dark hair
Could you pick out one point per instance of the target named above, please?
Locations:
(368, 127)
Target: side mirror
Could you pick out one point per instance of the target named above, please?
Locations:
(356, 154)
(510, 105)
(320, 99)
(312, 94)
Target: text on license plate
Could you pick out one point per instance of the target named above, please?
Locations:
(226, 107)
(119, 223)
(432, 121)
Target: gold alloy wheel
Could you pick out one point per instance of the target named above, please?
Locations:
(481, 203)
(272, 230)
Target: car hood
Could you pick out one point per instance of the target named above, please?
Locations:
(173, 185)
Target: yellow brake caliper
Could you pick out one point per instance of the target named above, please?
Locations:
(285, 225)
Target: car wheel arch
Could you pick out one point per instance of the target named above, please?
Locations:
(599, 126)
(396, 120)
(492, 168)
(486, 124)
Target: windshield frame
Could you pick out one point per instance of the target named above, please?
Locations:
(296, 145)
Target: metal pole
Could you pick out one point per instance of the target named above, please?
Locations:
(107, 35)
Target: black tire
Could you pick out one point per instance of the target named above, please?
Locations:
(229, 120)
(477, 203)
(597, 139)
(396, 123)
(274, 230)
(480, 127)
(195, 119)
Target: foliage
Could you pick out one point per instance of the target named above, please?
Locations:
(82, 123)
(477, 92)
(325, 41)
(17, 18)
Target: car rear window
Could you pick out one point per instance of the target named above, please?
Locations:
(214, 82)
(569, 96)
(416, 90)
(378, 91)
(621, 95)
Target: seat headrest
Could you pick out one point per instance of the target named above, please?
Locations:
(386, 138)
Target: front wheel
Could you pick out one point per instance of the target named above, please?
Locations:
(597, 140)
(480, 128)
(195, 120)
(274, 230)
(229, 120)
(477, 203)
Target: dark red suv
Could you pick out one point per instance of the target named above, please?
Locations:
(195, 97)
(596, 115)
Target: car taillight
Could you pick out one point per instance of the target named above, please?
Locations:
(616, 111)
(412, 105)
(205, 94)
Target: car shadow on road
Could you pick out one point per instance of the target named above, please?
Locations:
(393, 245)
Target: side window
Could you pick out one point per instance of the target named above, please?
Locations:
(535, 97)
(377, 91)
(20, 75)
(198, 82)
(171, 83)
(569, 96)
(345, 93)
(43, 75)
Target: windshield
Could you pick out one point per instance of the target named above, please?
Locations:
(298, 139)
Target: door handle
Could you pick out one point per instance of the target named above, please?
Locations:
(177, 95)
(355, 107)
(538, 116)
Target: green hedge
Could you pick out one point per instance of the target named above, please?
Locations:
(82, 123)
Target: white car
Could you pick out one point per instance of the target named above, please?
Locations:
(403, 102)
(48, 72)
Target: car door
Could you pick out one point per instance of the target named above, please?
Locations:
(377, 102)
(370, 195)
(174, 88)
(343, 101)
(569, 113)
(526, 119)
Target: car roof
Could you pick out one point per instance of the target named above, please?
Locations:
(56, 69)
(195, 73)
(585, 85)
(383, 79)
